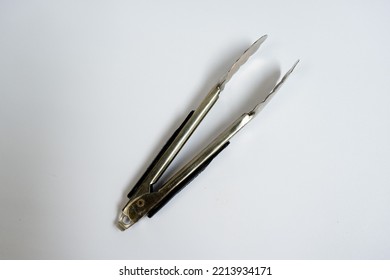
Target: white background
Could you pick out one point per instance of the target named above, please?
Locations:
(90, 90)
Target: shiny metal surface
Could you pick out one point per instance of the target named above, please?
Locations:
(143, 200)
(201, 112)
(184, 134)
(140, 206)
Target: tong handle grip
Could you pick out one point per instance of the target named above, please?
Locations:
(185, 182)
(159, 155)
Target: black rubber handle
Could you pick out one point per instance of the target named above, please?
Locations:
(185, 182)
(159, 155)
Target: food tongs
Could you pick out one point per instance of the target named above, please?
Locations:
(143, 200)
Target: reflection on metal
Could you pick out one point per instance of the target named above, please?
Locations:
(142, 199)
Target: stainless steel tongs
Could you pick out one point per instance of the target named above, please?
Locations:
(142, 199)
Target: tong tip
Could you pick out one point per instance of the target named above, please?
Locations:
(241, 60)
(261, 105)
(293, 67)
(259, 41)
